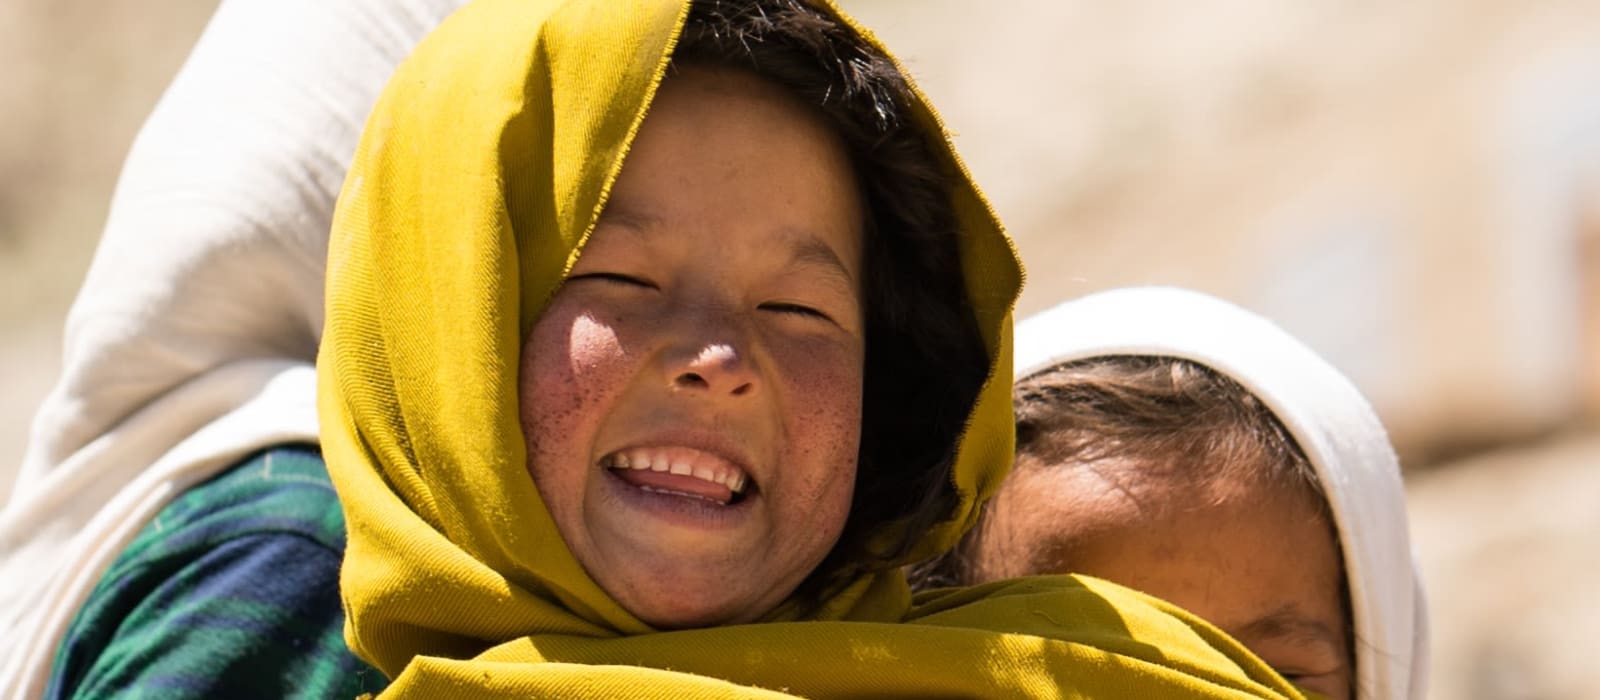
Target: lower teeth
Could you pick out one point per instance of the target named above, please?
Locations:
(670, 492)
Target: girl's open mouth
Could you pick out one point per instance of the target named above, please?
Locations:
(680, 471)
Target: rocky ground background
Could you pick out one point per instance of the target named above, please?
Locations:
(1090, 124)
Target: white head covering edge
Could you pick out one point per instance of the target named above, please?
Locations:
(1332, 422)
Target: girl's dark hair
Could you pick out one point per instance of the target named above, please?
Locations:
(1170, 413)
(925, 358)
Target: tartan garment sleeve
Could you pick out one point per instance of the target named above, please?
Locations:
(231, 591)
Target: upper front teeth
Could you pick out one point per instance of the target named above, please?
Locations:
(641, 462)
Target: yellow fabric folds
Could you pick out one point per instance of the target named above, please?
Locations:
(479, 176)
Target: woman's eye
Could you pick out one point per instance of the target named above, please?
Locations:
(796, 309)
(616, 277)
(1323, 685)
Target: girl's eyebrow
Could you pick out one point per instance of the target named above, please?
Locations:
(808, 250)
(617, 213)
(805, 248)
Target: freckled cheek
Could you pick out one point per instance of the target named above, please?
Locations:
(823, 388)
(566, 364)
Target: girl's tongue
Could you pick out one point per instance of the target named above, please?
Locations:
(676, 484)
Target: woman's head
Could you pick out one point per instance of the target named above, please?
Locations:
(716, 400)
(1167, 477)
(1313, 409)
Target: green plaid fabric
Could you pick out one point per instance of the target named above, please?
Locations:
(231, 592)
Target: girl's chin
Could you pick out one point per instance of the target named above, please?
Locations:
(667, 611)
(680, 561)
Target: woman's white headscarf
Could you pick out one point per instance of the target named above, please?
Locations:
(1330, 420)
(193, 339)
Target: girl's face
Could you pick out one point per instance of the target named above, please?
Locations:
(691, 397)
(1259, 562)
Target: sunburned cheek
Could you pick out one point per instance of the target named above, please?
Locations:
(550, 409)
(561, 366)
(827, 400)
(591, 346)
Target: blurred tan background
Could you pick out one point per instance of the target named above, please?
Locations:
(1412, 188)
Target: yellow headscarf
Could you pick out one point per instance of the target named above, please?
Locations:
(478, 179)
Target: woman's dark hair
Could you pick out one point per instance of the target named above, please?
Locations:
(925, 358)
(1169, 413)
(1161, 412)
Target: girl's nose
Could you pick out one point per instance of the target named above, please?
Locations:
(720, 369)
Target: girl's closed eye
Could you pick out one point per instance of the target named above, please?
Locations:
(792, 308)
(613, 277)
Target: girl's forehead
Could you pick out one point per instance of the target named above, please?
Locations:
(725, 160)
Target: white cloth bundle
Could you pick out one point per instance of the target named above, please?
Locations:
(193, 340)
(1333, 424)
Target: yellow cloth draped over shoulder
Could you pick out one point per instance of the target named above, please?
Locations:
(478, 179)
